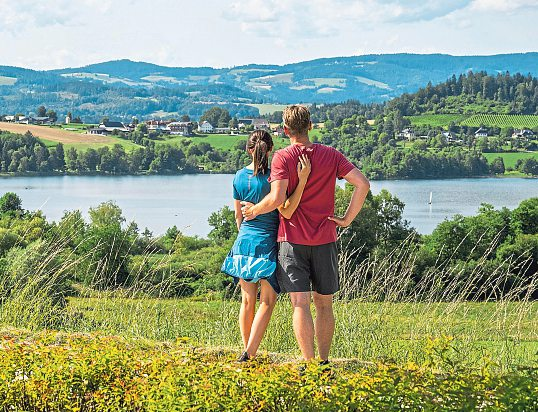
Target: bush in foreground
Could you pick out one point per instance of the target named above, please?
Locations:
(53, 372)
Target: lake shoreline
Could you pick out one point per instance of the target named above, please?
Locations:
(148, 174)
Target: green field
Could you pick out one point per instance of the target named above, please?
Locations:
(268, 108)
(510, 159)
(502, 121)
(436, 120)
(225, 141)
(76, 127)
(7, 81)
(127, 144)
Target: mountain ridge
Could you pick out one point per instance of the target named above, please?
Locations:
(123, 88)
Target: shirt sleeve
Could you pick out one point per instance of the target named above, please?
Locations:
(279, 169)
(344, 165)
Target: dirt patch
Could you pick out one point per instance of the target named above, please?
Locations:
(54, 134)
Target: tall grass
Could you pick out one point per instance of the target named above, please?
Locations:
(382, 311)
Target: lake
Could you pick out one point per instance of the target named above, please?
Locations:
(159, 202)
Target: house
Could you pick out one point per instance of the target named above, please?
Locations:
(23, 120)
(41, 120)
(158, 125)
(278, 131)
(9, 119)
(261, 124)
(243, 122)
(522, 134)
(407, 134)
(107, 128)
(181, 128)
(451, 138)
(481, 133)
(222, 130)
(205, 127)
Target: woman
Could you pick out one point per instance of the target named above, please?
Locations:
(253, 257)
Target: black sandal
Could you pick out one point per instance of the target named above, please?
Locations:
(244, 357)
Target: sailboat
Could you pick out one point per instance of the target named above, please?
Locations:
(431, 194)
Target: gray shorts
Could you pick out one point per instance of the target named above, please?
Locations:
(304, 268)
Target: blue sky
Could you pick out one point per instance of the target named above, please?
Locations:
(63, 33)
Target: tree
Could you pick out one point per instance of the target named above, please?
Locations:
(233, 123)
(106, 247)
(525, 217)
(41, 111)
(529, 167)
(72, 159)
(10, 202)
(185, 118)
(52, 115)
(216, 116)
(497, 166)
(223, 223)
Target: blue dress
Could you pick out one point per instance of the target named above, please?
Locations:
(254, 253)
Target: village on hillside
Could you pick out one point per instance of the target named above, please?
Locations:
(187, 128)
(165, 127)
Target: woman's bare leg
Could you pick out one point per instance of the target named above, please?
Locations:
(263, 315)
(249, 294)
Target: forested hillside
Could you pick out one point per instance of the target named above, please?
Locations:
(122, 89)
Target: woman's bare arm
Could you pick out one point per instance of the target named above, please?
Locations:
(288, 208)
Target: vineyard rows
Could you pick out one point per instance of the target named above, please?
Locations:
(502, 120)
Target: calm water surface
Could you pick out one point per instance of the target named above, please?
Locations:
(158, 202)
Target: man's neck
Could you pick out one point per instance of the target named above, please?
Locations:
(300, 140)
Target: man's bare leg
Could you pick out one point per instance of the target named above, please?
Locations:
(324, 323)
(303, 325)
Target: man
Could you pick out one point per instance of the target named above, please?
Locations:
(307, 258)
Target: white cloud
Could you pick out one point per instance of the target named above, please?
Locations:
(503, 5)
(16, 16)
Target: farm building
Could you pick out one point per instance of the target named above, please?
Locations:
(181, 128)
(481, 133)
(107, 128)
(408, 134)
(205, 127)
(522, 134)
(158, 125)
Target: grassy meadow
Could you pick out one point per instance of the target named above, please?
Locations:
(439, 343)
(511, 158)
(436, 120)
(508, 332)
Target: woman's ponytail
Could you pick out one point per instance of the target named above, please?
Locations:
(260, 143)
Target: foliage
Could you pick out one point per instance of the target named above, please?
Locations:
(55, 372)
(473, 93)
(10, 202)
(223, 223)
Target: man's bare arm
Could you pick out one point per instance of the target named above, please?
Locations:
(362, 186)
(275, 198)
(238, 214)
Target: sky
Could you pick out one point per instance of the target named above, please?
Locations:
(73, 33)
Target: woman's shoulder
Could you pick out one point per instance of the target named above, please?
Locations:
(243, 171)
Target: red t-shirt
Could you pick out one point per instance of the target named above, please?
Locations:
(310, 225)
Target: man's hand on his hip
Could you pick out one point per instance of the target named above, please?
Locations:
(340, 221)
(247, 210)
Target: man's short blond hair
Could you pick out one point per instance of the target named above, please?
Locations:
(297, 119)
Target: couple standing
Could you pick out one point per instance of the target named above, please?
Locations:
(292, 250)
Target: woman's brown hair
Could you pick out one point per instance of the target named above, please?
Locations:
(260, 143)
